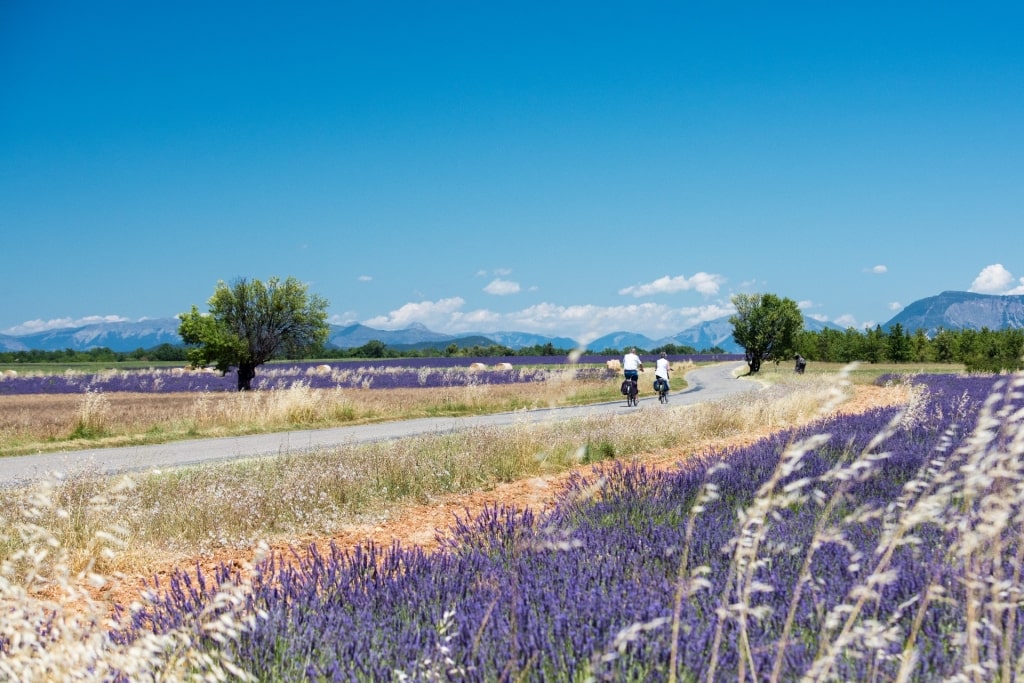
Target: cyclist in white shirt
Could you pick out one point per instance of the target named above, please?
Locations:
(631, 363)
(661, 369)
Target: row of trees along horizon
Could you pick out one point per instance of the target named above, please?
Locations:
(374, 349)
(250, 323)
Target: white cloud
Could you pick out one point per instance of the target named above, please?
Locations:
(996, 279)
(365, 278)
(479, 319)
(433, 314)
(705, 283)
(500, 287)
(846, 320)
(32, 326)
(878, 270)
(346, 318)
(895, 305)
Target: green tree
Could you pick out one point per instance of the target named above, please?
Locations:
(815, 345)
(920, 347)
(674, 349)
(1012, 342)
(874, 348)
(766, 327)
(897, 344)
(944, 346)
(851, 346)
(546, 349)
(967, 344)
(996, 351)
(374, 348)
(250, 322)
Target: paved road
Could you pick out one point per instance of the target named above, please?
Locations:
(707, 383)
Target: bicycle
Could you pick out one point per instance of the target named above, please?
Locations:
(661, 386)
(630, 390)
(631, 395)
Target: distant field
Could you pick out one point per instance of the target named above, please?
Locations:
(31, 368)
(861, 373)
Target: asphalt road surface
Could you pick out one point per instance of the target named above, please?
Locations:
(709, 383)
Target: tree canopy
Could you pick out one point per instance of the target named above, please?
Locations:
(250, 323)
(766, 326)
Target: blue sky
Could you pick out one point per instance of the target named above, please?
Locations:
(571, 168)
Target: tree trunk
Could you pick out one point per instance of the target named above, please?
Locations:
(246, 373)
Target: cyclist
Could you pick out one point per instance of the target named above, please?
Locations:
(661, 372)
(631, 364)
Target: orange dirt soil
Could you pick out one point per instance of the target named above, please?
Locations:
(419, 525)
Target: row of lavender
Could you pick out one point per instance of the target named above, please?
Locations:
(490, 361)
(880, 546)
(374, 375)
(393, 373)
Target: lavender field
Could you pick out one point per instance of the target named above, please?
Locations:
(398, 373)
(885, 546)
(377, 375)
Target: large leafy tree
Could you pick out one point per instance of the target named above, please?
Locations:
(250, 322)
(766, 326)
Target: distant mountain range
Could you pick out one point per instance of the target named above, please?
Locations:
(961, 310)
(117, 336)
(949, 310)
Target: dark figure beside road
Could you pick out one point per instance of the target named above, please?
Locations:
(801, 364)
